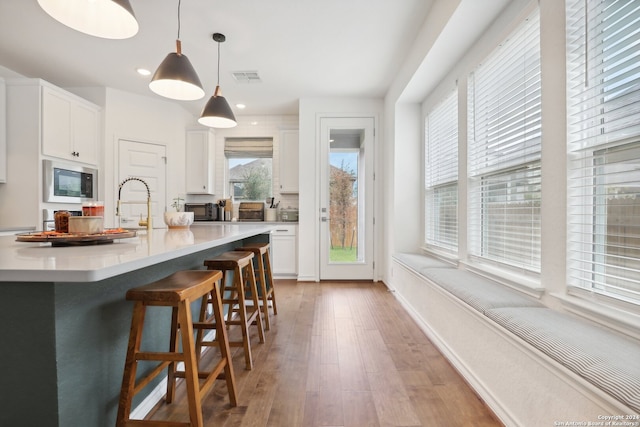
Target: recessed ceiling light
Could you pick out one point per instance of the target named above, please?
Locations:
(241, 106)
(143, 71)
(254, 123)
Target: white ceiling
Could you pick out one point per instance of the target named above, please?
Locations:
(300, 48)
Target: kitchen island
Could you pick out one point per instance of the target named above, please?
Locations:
(66, 321)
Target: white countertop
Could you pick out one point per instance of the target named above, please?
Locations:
(40, 262)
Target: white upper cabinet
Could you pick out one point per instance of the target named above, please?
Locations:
(200, 172)
(69, 127)
(289, 161)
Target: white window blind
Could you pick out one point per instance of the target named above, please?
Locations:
(441, 174)
(504, 151)
(248, 147)
(603, 122)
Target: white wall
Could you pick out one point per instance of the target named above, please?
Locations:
(401, 164)
(424, 78)
(138, 118)
(311, 110)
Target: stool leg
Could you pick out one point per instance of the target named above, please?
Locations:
(270, 286)
(223, 343)
(190, 364)
(242, 311)
(232, 293)
(263, 289)
(130, 365)
(254, 297)
(173, 348)
(203, 317)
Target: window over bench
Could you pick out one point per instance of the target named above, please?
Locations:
(504, 152)
(603, 113)
(441, 175)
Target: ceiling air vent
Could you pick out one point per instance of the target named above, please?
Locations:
(246, 76)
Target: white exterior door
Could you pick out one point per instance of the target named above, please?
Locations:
(147, 162)
(346, 198)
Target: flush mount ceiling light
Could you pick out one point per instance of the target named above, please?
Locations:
(175, 78)
(217, 113)
(109, 19)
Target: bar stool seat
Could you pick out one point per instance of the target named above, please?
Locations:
(235, 296)
(266, 289)
(178, 291)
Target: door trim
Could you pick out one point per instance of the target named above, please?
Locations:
(375, 235)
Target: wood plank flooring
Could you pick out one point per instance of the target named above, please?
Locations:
(340, 354)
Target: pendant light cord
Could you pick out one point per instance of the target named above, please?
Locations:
(179, 1)
(218, 83)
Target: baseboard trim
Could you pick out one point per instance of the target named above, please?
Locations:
(483, 392)
(158, 393)
(577, 395)
(150, 402)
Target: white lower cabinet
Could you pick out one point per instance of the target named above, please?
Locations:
(284, 251)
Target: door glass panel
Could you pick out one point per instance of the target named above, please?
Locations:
(345, 211)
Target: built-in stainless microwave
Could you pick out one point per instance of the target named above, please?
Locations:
(68, 182)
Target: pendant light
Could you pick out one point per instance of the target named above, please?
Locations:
(175, 78)
(217, 113)
(109, 19)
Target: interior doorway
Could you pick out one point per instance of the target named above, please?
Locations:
(346, 198)
(148, 162)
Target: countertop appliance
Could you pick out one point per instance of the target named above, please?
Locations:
(202, 211)
(289, 215)
(68, 183)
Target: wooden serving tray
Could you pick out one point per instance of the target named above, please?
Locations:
(68, 239)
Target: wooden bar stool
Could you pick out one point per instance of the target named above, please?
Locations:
(178, 291)
(266, 289)
(235, 296)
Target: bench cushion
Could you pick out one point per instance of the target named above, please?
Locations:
(479, 292)
(609, 361)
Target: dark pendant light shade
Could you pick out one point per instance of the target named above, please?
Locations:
(109, 19)
(176, 78)
(217, 113)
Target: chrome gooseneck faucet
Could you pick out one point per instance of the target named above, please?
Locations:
(142, 222)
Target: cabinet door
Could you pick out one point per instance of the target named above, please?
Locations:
(199, 161)
(85, 133)
(56, 124)
(284, 251)
(289, 161)
(69, 127)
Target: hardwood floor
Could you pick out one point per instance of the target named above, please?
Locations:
(340, 354)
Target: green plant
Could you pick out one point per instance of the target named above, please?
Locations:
(177, 204)
(257, 183)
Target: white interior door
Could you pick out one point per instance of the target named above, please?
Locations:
(346, 198)
(147, 162)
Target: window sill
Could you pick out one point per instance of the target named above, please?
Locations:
(620, 316)
(441, 254)
(527, 284)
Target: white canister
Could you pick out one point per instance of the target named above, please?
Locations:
(270, 214)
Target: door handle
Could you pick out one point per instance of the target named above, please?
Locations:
(324, 219)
